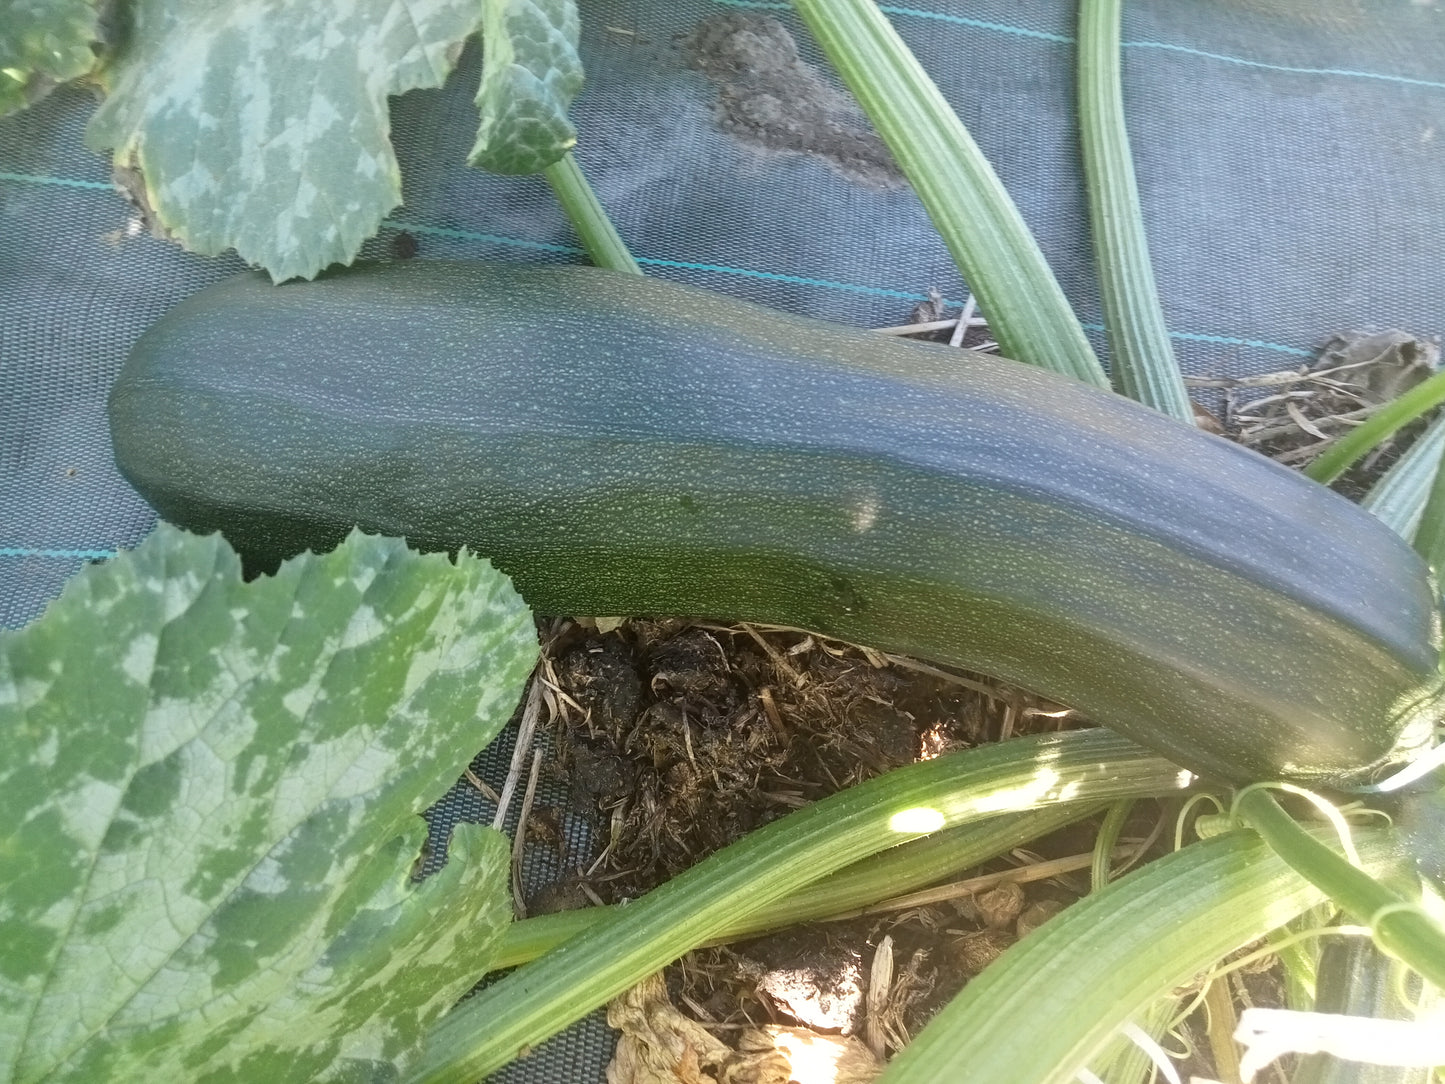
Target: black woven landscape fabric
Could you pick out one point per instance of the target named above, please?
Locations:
(1290, 153)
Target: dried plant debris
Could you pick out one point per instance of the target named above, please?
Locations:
(1294, 415)
(975, 950)
(930, 310)
(811, 977)
(1035, 915)
(999, 908)
(930, 320)
(769, 97)
(895, 995)
(882, 976)
(679, 739)
(659, 1045)
(858, 978)
(1253, 980)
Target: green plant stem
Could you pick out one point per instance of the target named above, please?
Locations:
(1103, 961)
(1126, 1062)
(1429, 540)
(1026, 309)
(1398, 498)
(1407, 934)
(894, 872)
(540, 999)
(1299, 959)
(1141, 356)
(1104, 843)
(599, 236)
(1385, 422)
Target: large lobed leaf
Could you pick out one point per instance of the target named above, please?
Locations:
(262, 125)
(44, 43)
(208, 812)
(530, 74)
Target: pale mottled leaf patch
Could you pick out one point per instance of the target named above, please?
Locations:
(208, 812)
(263, 126)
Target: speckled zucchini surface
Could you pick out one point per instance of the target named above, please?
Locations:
(632, 446)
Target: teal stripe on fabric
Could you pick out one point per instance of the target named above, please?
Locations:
(1257, 344)
(980, 24)
(56, 182)
(685, 265)
(490, 238)
(58, 554)
(769, 276)
(1063, 39)
(1224, 340)
(1349, 73)
(939, 16)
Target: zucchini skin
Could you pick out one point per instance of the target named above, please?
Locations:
(1356, 979)
(630, 446)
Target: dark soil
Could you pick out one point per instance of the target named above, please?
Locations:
(678, 738)
(681, 738)
(772, 99)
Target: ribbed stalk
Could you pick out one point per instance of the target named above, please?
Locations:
(1141, 356)
(1104, 842)
(540, 999)
(589, 218)
(1299, 958)
(1398, 498)
(1026, 309)
(892, 873)
(1100, 964)
(1429, 539)
(1124, 1061)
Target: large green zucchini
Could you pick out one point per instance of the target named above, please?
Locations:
(630, 446)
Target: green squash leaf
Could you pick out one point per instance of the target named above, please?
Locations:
(208, 812)
(530, 74)
(263, 127)
(44, 43)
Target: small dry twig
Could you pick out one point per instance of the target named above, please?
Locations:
(923, 328)
(965, 321)
(485, 791)
(519, 841)
(525, 735)
(1039, 871)
(1303, 411)
(777, 658)
(770, 709)
(880, 982)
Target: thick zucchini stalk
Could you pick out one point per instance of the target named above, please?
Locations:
(632, 446)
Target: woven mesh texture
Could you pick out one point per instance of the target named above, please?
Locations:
(1291, 160)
